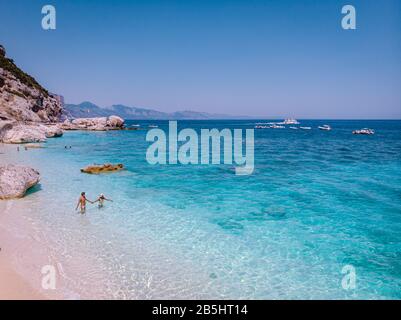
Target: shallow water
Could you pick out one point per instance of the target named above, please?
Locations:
(317, 201)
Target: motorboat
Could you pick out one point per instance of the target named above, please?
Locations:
(305, 128)
(325, 127)
(275, 126)
(365, 131)
(289, 121)
(153, 126)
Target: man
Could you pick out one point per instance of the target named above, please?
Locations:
(101, 200)
(82, 203)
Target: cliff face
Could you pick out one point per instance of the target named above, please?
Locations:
(22, 98)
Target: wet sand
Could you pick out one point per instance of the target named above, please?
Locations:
(12, 285)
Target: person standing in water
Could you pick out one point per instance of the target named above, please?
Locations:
(101, 200)
(82, 202)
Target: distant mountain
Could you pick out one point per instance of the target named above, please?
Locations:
(90, 110)
(84, 110)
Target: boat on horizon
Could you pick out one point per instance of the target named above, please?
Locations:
(289, 121)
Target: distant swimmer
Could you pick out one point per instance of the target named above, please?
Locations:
(101, 200)
(82, 203)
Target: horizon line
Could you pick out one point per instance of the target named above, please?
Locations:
(246, 117)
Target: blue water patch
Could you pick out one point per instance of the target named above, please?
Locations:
(317, 201)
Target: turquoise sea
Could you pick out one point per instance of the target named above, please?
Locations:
(316, 202)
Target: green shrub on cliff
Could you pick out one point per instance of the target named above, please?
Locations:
(9, 65)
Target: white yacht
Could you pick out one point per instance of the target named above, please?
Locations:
(289, 121)
(325, 127)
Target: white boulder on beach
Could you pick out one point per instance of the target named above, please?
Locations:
(17, 132)
(16, 180)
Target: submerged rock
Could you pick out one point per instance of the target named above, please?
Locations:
(16, 180)
(34, 146)
(96, 169)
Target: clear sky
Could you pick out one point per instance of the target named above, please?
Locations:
(261, 58)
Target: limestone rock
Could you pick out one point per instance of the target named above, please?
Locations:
(17, 132)
(96, 169)
(116, 122)
(94, 124)
(22, 98)
(16, 180)
(22, 134)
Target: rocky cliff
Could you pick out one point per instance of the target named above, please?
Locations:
(22, 98)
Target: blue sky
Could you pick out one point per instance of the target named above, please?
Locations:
(261, 58)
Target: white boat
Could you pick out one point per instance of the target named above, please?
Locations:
(152, 126)
(289, 121)
(365, 131)
(325, 127)
(305, 128)
(264, 123)
(275, 126)
(136, 125)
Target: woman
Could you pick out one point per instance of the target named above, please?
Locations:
(101, 200)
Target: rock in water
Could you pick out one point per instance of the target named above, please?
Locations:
(53, 131)
(96, 169)
(16, 180)
(116, 122)
(94, 124)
